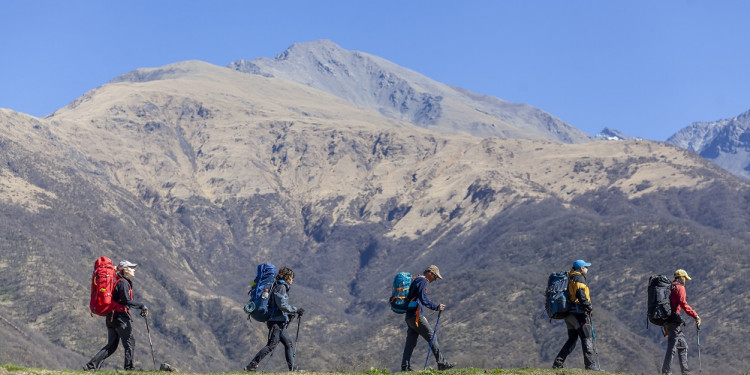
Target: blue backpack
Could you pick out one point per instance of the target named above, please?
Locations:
(557, 301)
(260, 293)
(400, 292)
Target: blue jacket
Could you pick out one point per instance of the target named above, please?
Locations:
(418, 294)
(281, 308)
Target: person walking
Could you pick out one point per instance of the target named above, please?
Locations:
(675, 337)
(279, 321)
(417, 324)
(578, 320)
(118, 322)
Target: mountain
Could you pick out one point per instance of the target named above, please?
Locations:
(608, 134)
(374, 83)
(725, 142)
(198, 173)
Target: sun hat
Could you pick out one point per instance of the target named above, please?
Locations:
(435, 271)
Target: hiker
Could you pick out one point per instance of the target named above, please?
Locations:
(417, 324)
(281, 314)
(118, 321)
(578, 321)
(673, 326)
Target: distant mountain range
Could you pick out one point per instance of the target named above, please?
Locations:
(350, 169)
(725, 142)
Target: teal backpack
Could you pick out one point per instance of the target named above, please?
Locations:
(400, 292)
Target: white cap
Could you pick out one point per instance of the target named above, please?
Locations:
(126, 264)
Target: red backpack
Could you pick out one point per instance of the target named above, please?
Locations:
(103, 283)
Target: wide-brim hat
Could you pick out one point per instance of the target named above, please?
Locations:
(435, 271)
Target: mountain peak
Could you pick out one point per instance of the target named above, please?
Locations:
(370, 82)
(313, 47)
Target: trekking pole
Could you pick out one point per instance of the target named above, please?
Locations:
(434, 333)
(700, 368)
(149, 341)
(593, 336)
(294, 354)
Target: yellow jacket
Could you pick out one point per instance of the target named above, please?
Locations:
(579, 292)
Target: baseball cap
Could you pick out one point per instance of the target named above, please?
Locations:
(680, 273)
(580, 263)
(435, 270)
(126, 264)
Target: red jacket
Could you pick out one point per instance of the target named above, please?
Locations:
(678, 300)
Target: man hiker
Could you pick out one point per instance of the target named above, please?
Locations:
(673, 326)
(279, 321)
(578, 320)
(417, 324)
(118, 323)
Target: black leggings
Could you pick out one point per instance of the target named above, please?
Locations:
(276, 332)
(118, 329)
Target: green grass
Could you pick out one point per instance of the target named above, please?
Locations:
(9, 369)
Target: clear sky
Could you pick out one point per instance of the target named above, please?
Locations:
(645, 67)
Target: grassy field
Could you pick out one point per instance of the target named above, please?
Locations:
(8, 369)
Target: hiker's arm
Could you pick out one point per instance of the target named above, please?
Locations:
(682, 301)
(581, 294)
(584, 301)
(282, 300)
(122, 296)
(424, 300)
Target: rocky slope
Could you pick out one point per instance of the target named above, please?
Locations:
(199, 172)
(725, 142)
(374, 83)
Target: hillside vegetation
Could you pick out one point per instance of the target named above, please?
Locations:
(198, 173)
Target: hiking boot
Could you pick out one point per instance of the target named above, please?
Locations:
(251, 367)
(557, 364)
(446, 366)
(167, 367)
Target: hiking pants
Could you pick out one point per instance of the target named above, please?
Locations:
(413, 331)
(119, 328)
(675, 342)
(276, 332)
(579, 326)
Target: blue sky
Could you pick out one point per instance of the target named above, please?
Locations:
(647, 68)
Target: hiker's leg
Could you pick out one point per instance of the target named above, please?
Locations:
(411, 342)
(274, 332)
(426, 332)
(682, 352)
(666, 367)
(112, 339)
(571, 323)
(125, 331)
(587, 344)
(288, 343)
